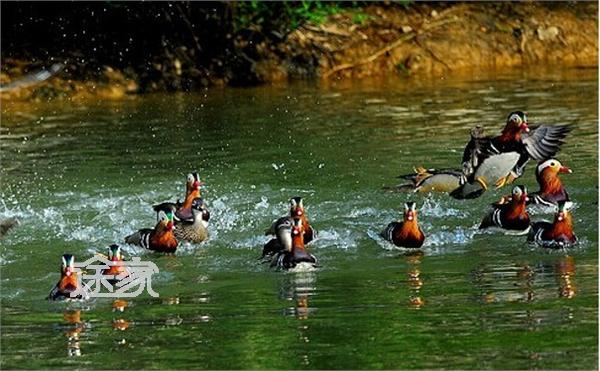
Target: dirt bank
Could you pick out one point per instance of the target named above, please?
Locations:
(356, 42)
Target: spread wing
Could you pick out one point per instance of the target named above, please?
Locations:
(544, 141)
(476, 151)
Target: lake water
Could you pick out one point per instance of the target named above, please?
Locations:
(83, 175)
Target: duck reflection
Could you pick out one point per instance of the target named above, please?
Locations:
(119, 323)
(415, 283)
(513, 282)
(74, 329)
(565, 272)
(298, 287)
(523, 282)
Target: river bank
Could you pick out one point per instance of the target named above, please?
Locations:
(343, 43)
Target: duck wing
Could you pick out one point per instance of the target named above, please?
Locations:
(388, 233)
(140, 238)
(544, 141)
(536, 230)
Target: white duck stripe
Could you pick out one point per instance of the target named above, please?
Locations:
(496, 218)
(494, 148)
(538, 236)
(544, 165)
(540, 200)
(280, 260)
(145, 240)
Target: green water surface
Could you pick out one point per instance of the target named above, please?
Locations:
(82, 175)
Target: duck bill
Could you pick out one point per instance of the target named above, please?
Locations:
(170, 226)
(561, 216)
(524, 127)
(298, 212)
(565, 170)
(68, 271)
(410, 216)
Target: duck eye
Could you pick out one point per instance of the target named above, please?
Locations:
(190, 178)
(553, 164)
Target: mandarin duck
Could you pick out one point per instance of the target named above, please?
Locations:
(405, 233)
(282, 240)
(440, 180)
(68, 283)
(117, 267)
(195, 228)
(192, 192)
(183, 210)
(510, 214)
(296, 212)
(288, 259)
(558, 234)
(507, 154)
(160, 239)
(551, 188)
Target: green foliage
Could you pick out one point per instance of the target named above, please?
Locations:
(285, 14)
(402, 69)
(361, 18)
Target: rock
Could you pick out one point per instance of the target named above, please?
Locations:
(406, 29)
(549, 33)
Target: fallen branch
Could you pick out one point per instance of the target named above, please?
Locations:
(389, 47)
(327, 30)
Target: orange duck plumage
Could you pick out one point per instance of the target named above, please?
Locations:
(559, 233)
(406, 233)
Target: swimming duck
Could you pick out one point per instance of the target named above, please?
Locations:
(481, 166)
(192, 192)
(551, 189)
(558, 234)
(296, 211)
(282, 240)
(469, 182)
(160, 239)
(509, 214)
(288, 259)
(539, 143)
(193, 229)
(68, 282)
(406, 233)
(117, 267)
(183, 210)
